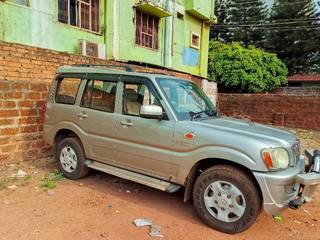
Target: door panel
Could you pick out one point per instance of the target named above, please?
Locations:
(97, 119)
(144, 145)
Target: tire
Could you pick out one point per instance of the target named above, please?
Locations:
(233, 202)
(71, 158)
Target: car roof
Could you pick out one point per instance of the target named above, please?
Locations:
(107, 70)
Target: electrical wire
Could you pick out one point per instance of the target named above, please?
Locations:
(234, 7)
(278, 4)
(270, 28)
(263, 25)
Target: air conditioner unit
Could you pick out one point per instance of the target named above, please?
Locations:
(91, 49)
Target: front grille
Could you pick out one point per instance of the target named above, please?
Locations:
(296, 153)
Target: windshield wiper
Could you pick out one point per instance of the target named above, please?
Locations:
(208, 112)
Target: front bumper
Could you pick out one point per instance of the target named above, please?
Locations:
(279, 188)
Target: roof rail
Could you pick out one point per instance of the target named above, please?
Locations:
(166, 74)
(126, 67)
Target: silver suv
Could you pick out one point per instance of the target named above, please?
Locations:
(164, 132)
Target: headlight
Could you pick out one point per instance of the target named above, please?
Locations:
(276, 158)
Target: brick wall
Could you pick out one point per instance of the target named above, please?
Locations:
(20, 121)
(282, 110)
(301, 91)
(25, 75)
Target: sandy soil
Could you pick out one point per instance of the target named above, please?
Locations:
(104, 207)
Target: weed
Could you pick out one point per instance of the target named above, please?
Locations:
(27, 178)
(50, 181)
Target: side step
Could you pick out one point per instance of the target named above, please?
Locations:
(135, 177)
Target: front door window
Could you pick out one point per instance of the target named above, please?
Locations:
(136, 95)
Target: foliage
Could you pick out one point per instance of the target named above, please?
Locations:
(234, 16)
(290, 29)
(50, 181)
(245, 69)
(296, 43)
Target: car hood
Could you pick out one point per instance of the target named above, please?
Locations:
(267, 134)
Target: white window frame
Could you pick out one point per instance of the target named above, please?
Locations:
(191, 42)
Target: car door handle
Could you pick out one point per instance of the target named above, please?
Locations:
(126, 123)
(82, 115)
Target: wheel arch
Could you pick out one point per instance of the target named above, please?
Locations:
(61, 134)
(204, 164)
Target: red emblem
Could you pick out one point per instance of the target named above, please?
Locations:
(189, 136)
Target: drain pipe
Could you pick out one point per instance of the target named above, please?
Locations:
(116, 36)
(167, 35)
(105, 27)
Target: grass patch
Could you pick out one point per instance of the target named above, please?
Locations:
(50, 181)
(27, 178)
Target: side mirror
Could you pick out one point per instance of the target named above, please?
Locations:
(151, 112)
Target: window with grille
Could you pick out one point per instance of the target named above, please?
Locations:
(147, 30)
(79, 13)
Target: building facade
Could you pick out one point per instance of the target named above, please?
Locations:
(172, 34)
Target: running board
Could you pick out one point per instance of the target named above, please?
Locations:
(135, 177)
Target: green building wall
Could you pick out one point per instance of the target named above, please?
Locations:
(37, 25)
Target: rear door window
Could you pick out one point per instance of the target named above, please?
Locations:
(67, 90)
(100, 95)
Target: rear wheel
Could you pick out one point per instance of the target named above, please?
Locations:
(226, 199)
(71, 158)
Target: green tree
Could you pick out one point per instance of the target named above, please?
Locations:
(239, 69)
(297, 40)
(222, 12)
(314, 51)
(235, 18)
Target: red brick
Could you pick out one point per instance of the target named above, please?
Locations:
(6, 121)
(28, 129)
(9, 131)
(28, 112)
(33, 96)
(4, 86)
(28, 120)
(12, 95)
(7, 104)
(20, 86)
(8, 113)
(40, 87)
(26, 104)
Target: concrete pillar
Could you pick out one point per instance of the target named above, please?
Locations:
(211, 89)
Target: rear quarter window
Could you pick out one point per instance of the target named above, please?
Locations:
(67, 90)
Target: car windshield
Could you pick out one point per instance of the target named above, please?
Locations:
(188, 101)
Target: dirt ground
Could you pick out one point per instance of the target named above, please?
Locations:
(45, 206)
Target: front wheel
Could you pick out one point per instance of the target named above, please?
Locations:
(226, 199)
